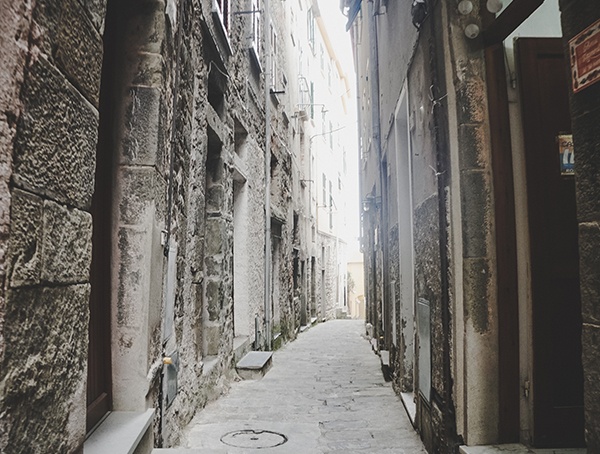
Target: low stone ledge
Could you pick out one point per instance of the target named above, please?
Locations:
(120, 433)
(514, 449)
(408, 400)
(254, 365)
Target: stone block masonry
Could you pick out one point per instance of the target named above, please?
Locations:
(577, 15)
(50, 93)
(58, 315)
(317, 402)
(55, 155)
(132, 168)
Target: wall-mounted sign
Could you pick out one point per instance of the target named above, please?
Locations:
(584, 50)
(566, 154)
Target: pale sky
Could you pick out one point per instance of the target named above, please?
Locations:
(335, 22)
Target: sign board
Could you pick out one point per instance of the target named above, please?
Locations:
(584, 52)
(567, 154)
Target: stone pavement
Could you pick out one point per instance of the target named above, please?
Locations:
(325, 393)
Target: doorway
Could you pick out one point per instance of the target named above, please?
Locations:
(557, 378)
(99, 374)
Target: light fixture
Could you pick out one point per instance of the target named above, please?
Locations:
(494, 6)
(465, 7)
(472, 31)
(371, 202)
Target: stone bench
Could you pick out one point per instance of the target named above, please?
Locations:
(254, 365)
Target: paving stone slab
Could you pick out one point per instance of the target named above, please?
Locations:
(325, 392)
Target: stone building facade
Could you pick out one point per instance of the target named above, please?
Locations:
(478, 232)
(151, 152)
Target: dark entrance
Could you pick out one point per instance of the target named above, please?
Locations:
(99, 379)
(557, 370)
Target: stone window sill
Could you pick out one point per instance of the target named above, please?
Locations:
(119, 433)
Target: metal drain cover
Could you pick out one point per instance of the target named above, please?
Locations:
(253, 439)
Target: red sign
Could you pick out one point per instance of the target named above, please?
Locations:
(584, 50)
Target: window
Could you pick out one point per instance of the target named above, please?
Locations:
(222, 9)
(310, 28)
(330, 205)
(293, 26)
(312, 100)
(324, 190)
(273, 58)
(255, 44)
(322, 57)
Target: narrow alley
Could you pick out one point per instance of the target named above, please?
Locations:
(325, 393)
(187, 185)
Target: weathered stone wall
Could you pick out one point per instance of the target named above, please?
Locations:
(188, 149)
(476, 316)
(185, 120)
(427, 266)
(14, 47)
(585, 110)
(431, 176)
(403, 372)
(52, 55)
(216, 143)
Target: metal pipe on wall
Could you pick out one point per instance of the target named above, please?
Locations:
(376, 143)
(268, 264)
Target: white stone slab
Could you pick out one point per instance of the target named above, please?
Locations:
(385, 357)
(254, 360)
(516, 449)
(119, 433)
(187, 451)
(408, 400)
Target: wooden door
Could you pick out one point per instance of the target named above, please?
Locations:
(99, 379)
(556, 306)
(99, 384)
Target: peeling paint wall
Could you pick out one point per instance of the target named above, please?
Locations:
(424, 59)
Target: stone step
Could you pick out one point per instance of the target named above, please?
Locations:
(187, 451)
(120, 433)
(516, 449)
(254, 365)
(384, 356)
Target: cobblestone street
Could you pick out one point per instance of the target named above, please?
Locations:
(325, 393)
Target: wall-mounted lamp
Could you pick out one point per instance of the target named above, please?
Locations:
(472, 31)
(494, 6)
(465, 7)
(371, 202)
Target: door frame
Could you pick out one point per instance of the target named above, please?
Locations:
(526, 52)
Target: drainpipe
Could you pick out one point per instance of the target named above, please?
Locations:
(441, 133)
(374, 78)
(376, 137)
(361, 194)
(267, 73)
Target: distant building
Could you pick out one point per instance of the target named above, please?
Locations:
(356, 286)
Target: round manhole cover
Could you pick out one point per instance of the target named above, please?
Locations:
(253, 439)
